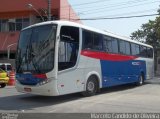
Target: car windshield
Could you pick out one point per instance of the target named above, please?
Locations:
(36, 49)
(1, 70)
(3, 67)
(9, 67)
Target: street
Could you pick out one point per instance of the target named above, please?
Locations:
(120, 99)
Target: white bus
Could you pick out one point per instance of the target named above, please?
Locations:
(61, 57)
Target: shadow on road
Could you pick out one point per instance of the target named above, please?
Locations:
(117, 88)
(28, 101)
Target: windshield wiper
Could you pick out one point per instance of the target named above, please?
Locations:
(21, 59)
(32, 55)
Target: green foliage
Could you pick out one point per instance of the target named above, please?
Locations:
(149, 33)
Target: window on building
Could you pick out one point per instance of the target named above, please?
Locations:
(12, 55)
(4, 25)
(18, 24)
(13, 24)
(3, 55)
(0, 25)
(25, 22)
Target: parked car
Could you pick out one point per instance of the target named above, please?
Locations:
(6, 67)
(3, 78)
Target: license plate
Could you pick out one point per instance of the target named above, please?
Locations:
(27, 89)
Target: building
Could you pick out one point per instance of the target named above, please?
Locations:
(18, 14)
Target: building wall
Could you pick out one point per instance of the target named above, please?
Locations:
(14, 15)
(8, 38)
(15, 8)
(67, 12)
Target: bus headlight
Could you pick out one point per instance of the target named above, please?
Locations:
(44, 82)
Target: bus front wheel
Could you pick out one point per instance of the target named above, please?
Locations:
(91, 86)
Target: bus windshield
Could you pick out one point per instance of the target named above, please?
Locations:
(35, 53)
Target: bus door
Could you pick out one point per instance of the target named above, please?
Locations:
(69, 74)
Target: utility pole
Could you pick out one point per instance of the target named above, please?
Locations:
(49, 10)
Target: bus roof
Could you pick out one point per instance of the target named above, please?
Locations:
(68, 23)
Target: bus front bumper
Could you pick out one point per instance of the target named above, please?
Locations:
(48, 89)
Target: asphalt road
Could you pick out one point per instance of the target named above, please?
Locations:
(120, 99)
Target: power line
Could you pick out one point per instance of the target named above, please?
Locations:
(104, 6)
(124, 3)
(87, 3)
(128, 13)
(113, 5)
(100, 9)
(125, 17)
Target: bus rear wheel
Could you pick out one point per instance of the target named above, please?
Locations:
(140, 80)
(91, 86)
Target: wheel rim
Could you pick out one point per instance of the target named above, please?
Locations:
(140, 80)
(91, 86)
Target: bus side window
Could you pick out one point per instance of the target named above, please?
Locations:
(135, 49)
(107, 44)
(143, 51)
(68, 47)
(150, 52)
(110, 44)
(98, 42)
(122, 47)
(87, 39)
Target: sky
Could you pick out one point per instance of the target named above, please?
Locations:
(116, 8)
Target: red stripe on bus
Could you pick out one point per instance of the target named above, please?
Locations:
(41, 76)
(107, 56)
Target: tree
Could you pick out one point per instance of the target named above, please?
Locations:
(150, 34)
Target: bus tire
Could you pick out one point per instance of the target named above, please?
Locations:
(91, 86)
(140, 80)
(3, 85)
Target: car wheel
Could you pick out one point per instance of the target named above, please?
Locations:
(3, 85)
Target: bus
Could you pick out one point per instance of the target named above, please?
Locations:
(61, 57)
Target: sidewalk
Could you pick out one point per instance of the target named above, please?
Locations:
(10, 87)
(155, 80)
